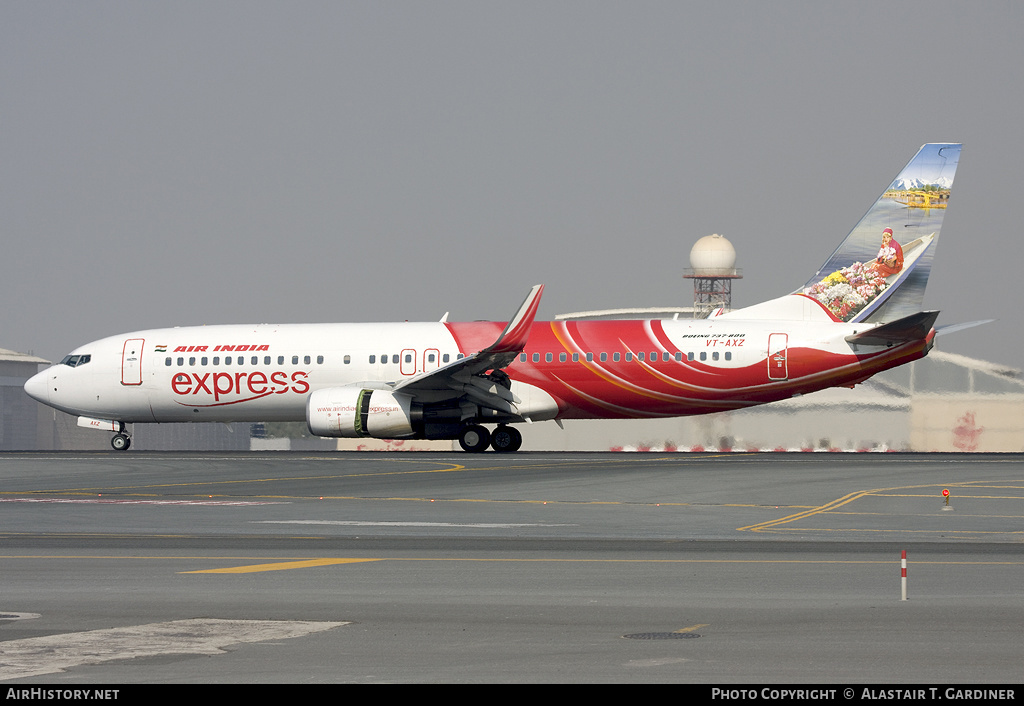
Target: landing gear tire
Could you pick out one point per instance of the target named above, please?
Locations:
(474, 438)
(506, 439)
(121, 442)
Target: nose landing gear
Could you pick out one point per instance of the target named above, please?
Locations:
(121, 441)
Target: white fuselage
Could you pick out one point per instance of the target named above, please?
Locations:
(568, 369)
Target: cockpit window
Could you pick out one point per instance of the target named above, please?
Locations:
(74, 361)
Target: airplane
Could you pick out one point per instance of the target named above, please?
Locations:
(858, 315)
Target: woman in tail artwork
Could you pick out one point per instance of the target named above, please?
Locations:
(890, 256)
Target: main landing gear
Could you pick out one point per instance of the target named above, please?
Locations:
(475, 438)
(506, 439)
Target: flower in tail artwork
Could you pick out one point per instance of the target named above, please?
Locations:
(847, 291)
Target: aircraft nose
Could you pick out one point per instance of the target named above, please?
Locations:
(37, 387)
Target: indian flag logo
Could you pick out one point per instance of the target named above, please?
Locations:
(161, 348)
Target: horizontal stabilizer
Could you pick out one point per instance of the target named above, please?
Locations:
(910, 328)
(952, 328)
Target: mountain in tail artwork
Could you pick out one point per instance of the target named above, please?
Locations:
(859, 314)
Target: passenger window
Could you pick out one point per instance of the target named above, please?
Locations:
(295, 360)
(394, 358)
(227, 360)
(522, 357)
(689, 356)
(714, 356)
(703, 355)
(728, 355)
(191, 361)
(255, 360)
(167, 362)
(216, 360)
(445, 358)
(536, 357)
(408, 358)
(640, 355)
(547, 357)
(590, 357)
(373, 359)
(204, 360)
(266, 360)
(561, 357)
(181, 361)
(615, 357)
(575, 357)
(679, 355)
(629, 357)
(280, 360)
(604, 357)
(347, 359)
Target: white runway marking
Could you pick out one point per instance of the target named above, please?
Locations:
(55, 653)
(7, 615)
(115, 501)
(356, 523)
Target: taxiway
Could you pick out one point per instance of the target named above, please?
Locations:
(533, 567)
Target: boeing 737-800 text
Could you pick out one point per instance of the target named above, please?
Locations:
(858, 315)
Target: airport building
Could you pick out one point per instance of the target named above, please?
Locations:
(943, 402)
(21, 418)
(26, 425)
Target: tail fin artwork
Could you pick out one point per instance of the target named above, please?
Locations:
(880, 271)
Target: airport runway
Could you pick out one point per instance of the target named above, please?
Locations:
(533, 567)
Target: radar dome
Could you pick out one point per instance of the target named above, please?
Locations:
(713, 255)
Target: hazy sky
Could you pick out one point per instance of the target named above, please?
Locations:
(185, 163)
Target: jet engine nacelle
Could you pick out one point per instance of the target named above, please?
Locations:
(352, 411)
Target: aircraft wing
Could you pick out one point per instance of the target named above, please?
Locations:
(464, 375)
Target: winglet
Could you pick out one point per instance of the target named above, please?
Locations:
(458, 374)
(513, 338)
